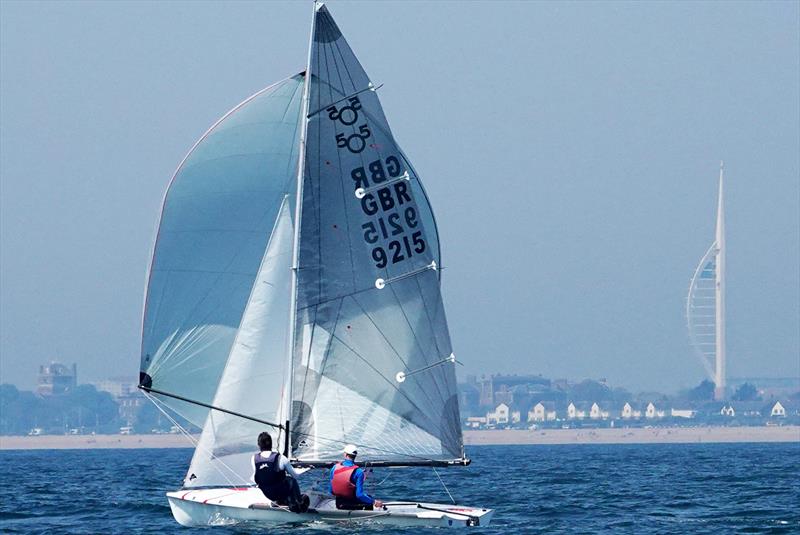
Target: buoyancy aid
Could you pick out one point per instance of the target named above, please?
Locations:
(342, 482)
(268, 473)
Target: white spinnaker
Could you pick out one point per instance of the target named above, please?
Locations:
(218, 213)
(254, 376)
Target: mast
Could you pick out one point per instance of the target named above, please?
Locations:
(298, 213)
(719, 370)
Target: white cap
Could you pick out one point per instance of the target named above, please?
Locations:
(350, 449)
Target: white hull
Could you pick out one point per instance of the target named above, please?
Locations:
(247, 505)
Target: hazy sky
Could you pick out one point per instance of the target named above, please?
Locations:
(570, 151)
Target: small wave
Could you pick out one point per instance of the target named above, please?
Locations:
(11, 515)
(142, 507)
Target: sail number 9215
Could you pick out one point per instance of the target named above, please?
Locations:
(391, 226)
(399, 250)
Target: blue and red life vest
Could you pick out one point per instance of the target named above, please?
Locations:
(342, 481)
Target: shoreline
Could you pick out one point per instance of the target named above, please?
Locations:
(551, 437)
(636, 435)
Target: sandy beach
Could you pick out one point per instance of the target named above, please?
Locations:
(662, 435)
(90, 442)
(655, 435)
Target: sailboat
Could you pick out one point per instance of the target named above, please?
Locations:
(294, 287)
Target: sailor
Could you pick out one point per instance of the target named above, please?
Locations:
(276, 478)
(347, 484)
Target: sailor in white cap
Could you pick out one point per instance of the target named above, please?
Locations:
(347, 483)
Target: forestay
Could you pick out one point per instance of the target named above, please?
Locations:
(368, 298)
(218, 214)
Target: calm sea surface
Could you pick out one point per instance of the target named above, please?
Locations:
(703, 488)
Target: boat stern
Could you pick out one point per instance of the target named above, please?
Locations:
(181, 509)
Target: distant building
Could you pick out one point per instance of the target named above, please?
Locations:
(56, 379)
(577, 411)
(129, 406)
(544, 411)
(506, 388)
(598, 413)
(777, 410)
(116, 386)
(717, 408)
(652, 412)
(683, 413)
(499, 416)
(628, 412)
(469, 398)
(503, 394)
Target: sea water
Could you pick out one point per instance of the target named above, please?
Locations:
(675, 488)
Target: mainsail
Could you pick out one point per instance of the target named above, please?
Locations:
(368, 295)
(218, 213)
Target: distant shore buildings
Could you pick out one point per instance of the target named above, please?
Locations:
(522, 401)
(548, 414)
(125, 393)
(56, 379)
(116, 386)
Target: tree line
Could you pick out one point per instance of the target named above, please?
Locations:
(82, 410)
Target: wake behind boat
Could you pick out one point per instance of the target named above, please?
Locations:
(294, 286)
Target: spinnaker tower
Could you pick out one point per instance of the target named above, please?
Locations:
(705, 304)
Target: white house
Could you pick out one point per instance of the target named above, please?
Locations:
(499, 416)
(576, 412)
(628, 412)
(596, 413)
(727, 410)
(542, 412)
(683, 413)
(651, 412)
(778, 411)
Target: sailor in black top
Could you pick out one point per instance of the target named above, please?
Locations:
(276, 477)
